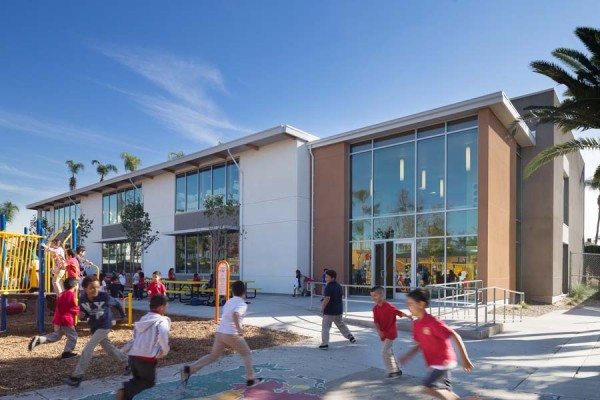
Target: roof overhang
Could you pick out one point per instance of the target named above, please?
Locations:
(111, 240)
(199, 230)
(498, 102)
(208, 156)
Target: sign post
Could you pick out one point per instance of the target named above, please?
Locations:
(222, 286)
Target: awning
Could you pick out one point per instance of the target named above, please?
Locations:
(198, 230)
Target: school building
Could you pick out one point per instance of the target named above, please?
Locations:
(433, 197)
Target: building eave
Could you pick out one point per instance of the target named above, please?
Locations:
(213, 154)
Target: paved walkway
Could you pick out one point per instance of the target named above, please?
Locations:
(555, 356)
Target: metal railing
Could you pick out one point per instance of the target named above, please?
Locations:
(18, 272)
(466, 301)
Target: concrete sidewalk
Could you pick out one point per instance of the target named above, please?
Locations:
(555, 356)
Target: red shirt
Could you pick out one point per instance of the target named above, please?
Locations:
(73, 268)
(156, 288)
(66, 309)
(433, 337)
(384, 315)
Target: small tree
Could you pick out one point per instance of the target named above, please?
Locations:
(46, 226)
(84, 228)
(74, 168)
(175, 154)
(222, 217)
(9, 209)
(138, 229)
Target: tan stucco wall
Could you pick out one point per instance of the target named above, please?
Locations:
(331, 185)
(497, 203)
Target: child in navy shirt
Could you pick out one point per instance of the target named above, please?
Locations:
(96, 306)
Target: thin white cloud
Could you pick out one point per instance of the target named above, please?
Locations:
(34, 192)
(186, 107)
(17, 172)
(61, 131)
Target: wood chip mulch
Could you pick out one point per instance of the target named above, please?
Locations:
(21, 370)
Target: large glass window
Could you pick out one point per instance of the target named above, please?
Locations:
(205, 185)
(65, 214)
(219, 181)
(117, 256)
(462, 258)
(360, 269)
(233, 182)
(430, 261)
(430, 224)
(360, 191)
(430, 174)
(180, 253)
(361, 229)
(461, 223)
(192, 192)
(233, 252)
(180, 197)
(394, 227)
(462, 169)
(205, 263)
(113, 204)
(191, 253)
(394, 179)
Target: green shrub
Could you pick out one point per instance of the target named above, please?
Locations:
(581, 293)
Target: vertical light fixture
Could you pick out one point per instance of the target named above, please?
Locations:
(402, 169)
(441, 187)
(468, 158)
(423, 179)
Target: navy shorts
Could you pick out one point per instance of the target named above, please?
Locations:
(438, 379)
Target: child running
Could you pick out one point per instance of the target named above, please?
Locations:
(384, 317)
(66, 310)
(433, 339)
(229, 334)
(150, 342)
(156, 286)
(96, 306)
(72, 265)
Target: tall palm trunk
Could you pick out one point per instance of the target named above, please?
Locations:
(598, 222)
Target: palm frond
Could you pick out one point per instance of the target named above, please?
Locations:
(558, 150)
(590, 37)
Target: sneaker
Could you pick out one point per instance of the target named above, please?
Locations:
(393, 375)
(127, 371)
(351, 339)
(185, 375)
(34, 342)
(73, 381)
(324, 346)
(250, 383)
(68, 354)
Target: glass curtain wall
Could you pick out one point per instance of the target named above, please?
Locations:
(419, 185)
(193, 253)
(65, 214)
(117, 256)
(193, 187)
(113, 203)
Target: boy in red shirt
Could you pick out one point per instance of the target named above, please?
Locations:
(433, 339)
(66, 310)
(384, 317)
(156, 286)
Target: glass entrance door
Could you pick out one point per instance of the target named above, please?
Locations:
(383, 271)
(404, 273)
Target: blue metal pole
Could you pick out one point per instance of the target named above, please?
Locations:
(42, 279)
(73, 234)
(3, 299)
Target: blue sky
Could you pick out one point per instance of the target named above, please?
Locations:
(89, 80)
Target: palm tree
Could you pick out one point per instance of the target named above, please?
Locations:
(594, 184)
(173, 155)
(74, 168)
(581, 108)
(130, 161)
(9, 209)
(104, 169)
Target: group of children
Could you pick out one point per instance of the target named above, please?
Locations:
(151, 334)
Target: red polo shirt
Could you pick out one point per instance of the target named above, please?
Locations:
(384, 315)
(433, 337)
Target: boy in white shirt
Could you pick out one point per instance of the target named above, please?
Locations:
(229, 334)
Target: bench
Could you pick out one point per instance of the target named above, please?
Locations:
(255, 291)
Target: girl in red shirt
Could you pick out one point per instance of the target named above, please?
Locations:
(433, 339)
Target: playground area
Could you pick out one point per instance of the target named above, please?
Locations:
(190, 338)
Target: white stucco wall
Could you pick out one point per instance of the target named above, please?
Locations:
(159, 202)
(276, 215)
(91, 206)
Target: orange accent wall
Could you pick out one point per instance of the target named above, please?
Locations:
(497, 202)
(331, 186)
